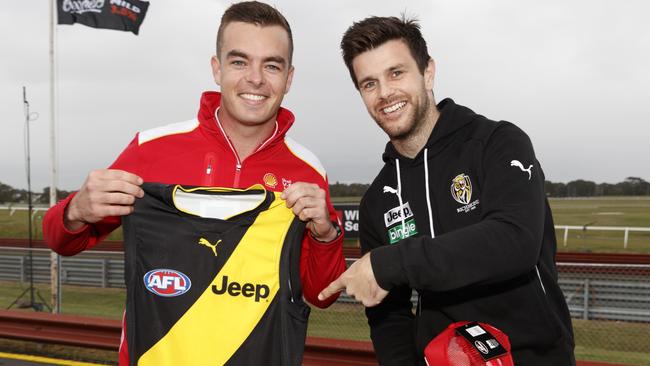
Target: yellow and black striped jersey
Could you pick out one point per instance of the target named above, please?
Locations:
(212, 278)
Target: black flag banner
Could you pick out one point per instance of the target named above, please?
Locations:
(124, 15)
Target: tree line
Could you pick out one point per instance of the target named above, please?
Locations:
(9, 195)
(631, 186)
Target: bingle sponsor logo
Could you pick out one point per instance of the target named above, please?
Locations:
(398, 232)
(247, 289)
(83, 6)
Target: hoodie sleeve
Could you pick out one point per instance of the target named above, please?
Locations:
(504, 244)
(66, 242)
(392, 321)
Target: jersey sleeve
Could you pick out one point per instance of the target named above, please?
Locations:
(66, 242)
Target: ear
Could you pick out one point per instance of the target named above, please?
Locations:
(429, 74)
(289, 79)
(216, 69)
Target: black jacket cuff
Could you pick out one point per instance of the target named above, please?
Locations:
(386, 264)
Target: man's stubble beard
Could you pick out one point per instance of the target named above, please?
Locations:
(415, 124)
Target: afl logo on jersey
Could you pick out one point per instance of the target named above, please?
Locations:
(167, 282)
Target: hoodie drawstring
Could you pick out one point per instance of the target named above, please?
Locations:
(399, 197)
(426, 185)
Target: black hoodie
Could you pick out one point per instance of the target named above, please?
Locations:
(475, 238)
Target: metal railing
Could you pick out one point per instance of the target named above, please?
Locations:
(593, 291)
(624, 230)
(609, 303)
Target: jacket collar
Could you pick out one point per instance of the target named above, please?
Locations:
(211, 100)
(452, 118)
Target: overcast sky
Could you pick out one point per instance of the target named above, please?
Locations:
(575, 75)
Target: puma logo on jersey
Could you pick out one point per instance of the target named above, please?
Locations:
(235, 288)
(519, 165)
(207, 243)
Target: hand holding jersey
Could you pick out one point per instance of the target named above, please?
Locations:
(309, 202)
(106, 192)
(359, 282)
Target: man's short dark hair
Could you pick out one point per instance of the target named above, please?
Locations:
(254, 12)
(372, 32)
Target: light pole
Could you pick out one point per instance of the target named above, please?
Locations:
(32, 304)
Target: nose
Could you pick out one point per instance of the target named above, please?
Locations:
(385, 90)
(255, 75)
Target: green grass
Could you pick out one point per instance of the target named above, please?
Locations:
(618, 211)
(615, 211)
(603, 341)
(77, 300)
(343, 321)
(15, 225)
(630, 337)
(610, 341)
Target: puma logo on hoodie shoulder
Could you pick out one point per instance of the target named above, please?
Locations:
(518, 164)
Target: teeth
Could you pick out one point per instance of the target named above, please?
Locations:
(394, 107)
(254, 97)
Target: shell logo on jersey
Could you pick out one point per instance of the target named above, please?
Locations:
(270, 180)
(167, 282)
(461, 189)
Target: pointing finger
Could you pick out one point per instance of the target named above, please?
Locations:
(334, 287)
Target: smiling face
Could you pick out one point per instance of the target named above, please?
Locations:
(253, 71)
(395, 92)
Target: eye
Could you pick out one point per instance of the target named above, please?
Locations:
(273, 67)
(396, 73)
(238, 63)
(368, 85)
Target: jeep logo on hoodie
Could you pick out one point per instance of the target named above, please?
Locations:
(394, 215)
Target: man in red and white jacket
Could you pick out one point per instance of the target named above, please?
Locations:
(237, 140)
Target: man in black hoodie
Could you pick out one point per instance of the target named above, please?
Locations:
(458, 213)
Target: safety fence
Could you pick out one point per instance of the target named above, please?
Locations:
(594, 291)
(609, 303)
(574, 237)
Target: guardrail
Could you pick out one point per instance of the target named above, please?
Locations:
(593, 291)
(625, 230)
(105, 334)
(98, 269)
(350, 216)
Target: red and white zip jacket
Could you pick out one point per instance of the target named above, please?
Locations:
(197, 152)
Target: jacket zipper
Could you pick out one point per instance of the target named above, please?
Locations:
(237, 172)
(208, 177)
